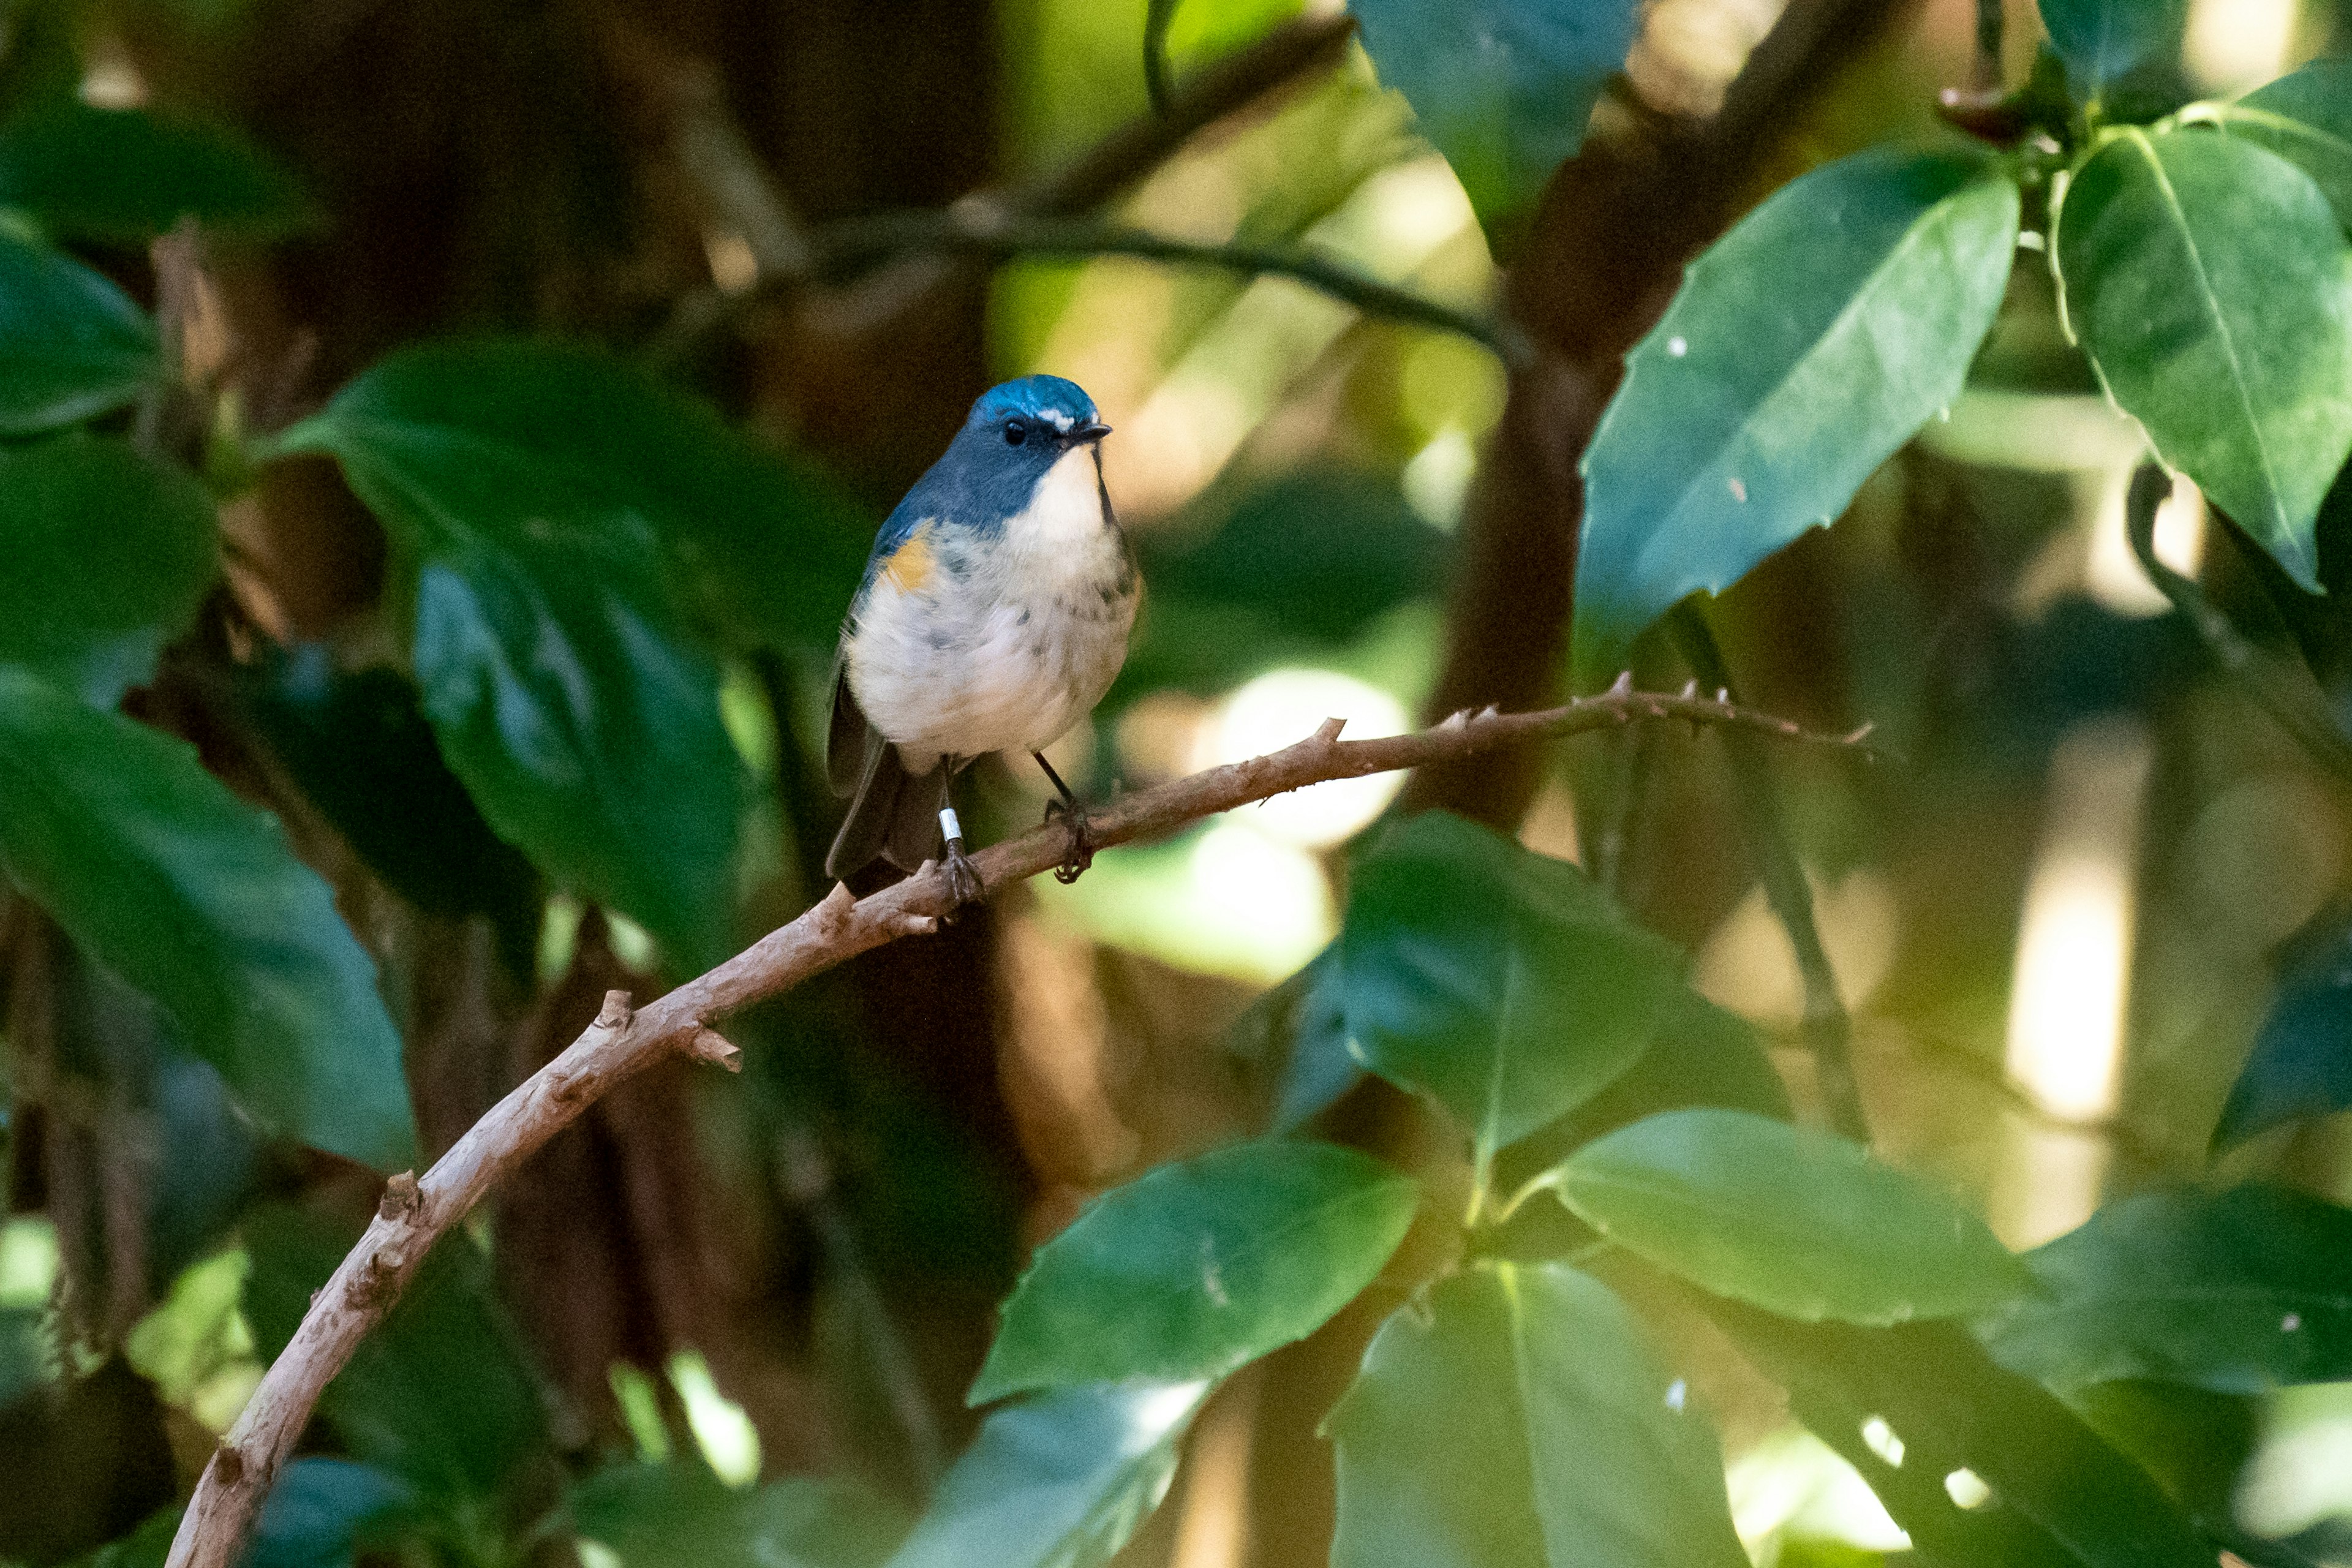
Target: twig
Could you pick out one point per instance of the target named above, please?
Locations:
(1159, 81)
(974, 227)
(1829, 1034)
(2282, 686)
(623, 1041)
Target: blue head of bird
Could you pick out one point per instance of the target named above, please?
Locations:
(1012, 439)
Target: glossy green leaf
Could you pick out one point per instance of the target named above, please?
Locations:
(1790, 1218)
(1058, 1481)
(2307, 118)
(1514, 1419)
(158, 872)
(2206, 278)
(1503, 88)
(318, 1512)
(2104, 40)
(678, 1513)
(2240, 1292)
(1501, 982)
(2061, 1496)
(439, 1394)
(1198, 1268)
(129, 175)
(71, 344)
(1803, 348)
(545, 495)
(108, 556)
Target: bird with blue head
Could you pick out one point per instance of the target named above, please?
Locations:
(992, 616)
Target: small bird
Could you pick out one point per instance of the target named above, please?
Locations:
(993, 615)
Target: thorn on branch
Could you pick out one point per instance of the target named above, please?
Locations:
(616, 1011)
(401, 1198)
(833, 913)
(1622, 685)
(708, 1045)
(1329, 731)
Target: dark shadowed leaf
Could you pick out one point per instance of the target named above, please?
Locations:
(679, 1515)
(71, 344)
(1197, 1268)
(27, 1359)
(2307, 118)
(1514, 1419)
(2104, 40)
(1503, 88)
(2240, 1292)
(158, 872)
(2060, 1496)
(109, 555)
(2206, 279)
(1501, 982)
(544, 495)
(439, 1395)
(1058, 1481)
(1804, 347)
(1790, 1218)
(146, 1547)
(2302, 1061)
(320, 1509)
(130, 174)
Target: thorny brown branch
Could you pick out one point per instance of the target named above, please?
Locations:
(622, 1041)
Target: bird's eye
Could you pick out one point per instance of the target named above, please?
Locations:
(1016, 432)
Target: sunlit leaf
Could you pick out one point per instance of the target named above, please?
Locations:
(1499, 981)
(2206, 278)
(71, 344)
(2102, 40)
(132, 174)
(2241, 1292)
(545, 496)
(1514, 1419)
(1503, 88)
(1790, 1218)
(1058, 1481)
(108, 556)
(678, 1513)
(1197, 1268)
(2307, 118)
(439, 1394)
(1804, 347)
(158, 872)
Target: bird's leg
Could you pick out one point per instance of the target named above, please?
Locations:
(1081, 852)
(963, 878)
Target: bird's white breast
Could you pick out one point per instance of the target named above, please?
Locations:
(999, 642)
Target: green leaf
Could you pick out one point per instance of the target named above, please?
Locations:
(72, 345)
(1501, 982)
(439, 1394)
(655, 1516)
(128, 174)
(320, 1509)
(2060, 1495)
(2206, 278)
(1059, 1481)
(1503, 88)
(2103, 40)
(158, 872)
(109, 555)
(1514, 1419)
(2240, 1292)
(545, 495)
(2307, 118)
(1790, 1218)
(1804, 347)
(1198, 1268)
(2301, 1065)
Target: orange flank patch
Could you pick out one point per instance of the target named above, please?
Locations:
(910, 566)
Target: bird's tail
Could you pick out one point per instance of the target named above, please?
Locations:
(894, 815)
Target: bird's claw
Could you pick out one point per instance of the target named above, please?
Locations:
(1081, 852)
(965, 886)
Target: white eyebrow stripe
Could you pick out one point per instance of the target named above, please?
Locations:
(1059, 420)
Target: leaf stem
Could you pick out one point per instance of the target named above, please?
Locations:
(1828, 1031)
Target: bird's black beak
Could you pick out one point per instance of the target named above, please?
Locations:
(1094, 432)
